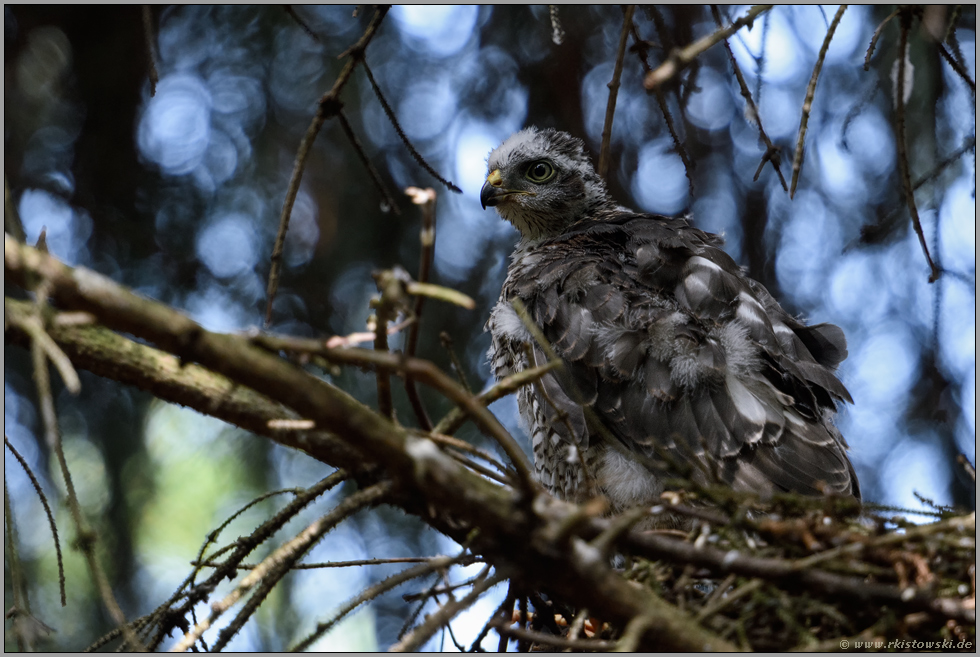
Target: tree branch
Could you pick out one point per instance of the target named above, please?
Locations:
(681, 59)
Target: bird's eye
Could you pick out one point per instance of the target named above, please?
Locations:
(540, 172)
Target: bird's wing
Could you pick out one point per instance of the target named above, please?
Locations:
(683, 358)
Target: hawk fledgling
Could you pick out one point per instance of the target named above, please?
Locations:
(682, 357)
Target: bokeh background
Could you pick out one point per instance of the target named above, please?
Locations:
(178, 196)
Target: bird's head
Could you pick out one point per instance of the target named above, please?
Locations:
(542, 181)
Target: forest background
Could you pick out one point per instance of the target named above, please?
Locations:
(157, 147)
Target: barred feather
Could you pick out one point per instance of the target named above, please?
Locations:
(686, 361)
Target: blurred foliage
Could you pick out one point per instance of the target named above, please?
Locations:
(177, 194)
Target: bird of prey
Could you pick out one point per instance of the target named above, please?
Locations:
(673, 358)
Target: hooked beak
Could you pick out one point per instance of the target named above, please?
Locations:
(494, 193)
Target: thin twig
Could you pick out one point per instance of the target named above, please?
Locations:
(47, 512)
(960, 70)
(875, 37)
(445, 588)
(476, 467)
(811, 89)
(903, 158)
(968, 145)
(614, 90)
(327, 107)
(417, 637)
(389, 200)
(85, 537)
(325, 564)
(436, 564)
(19, 593)
(429, 374)
(665, 34)
(426, 199)
(504, 610)
(424, 598)
(166, 614)
(426, 373)
(447, 343)
(455, 418)
(714, 606)
(681, 59)
(760, 59)
(856, 110)
(641, 51)
(462, 445)
(401, 133)
(950, 38)
(286, 555)
(299, 21)
(968, 467)
(33, 325)
(585, 645)
(772, 153)
(151, 57)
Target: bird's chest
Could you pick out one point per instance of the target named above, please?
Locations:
(559, 465)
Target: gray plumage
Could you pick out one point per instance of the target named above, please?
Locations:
(686, 361)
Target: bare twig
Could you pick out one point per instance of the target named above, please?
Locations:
(614, 90)
(85, 537)
(876, 36)
(47, 512)
(18, 592)
(417, 637)
(960, 70)
(969, 145)
(462, 445)
(585, 645)
(903, 158)
(504, 610)
(426, 373)
(447, 343)
(390, 113)
(429, 374)
(968, 467)
(455, 418)
(426, 199)
(166, 613)
(681, 59)
(33, 325)
(772, 153)
(641, 51)
(289, 9)
(788, 574)
(389, 200)
(950, 38)
(285, 556)
(383, 313)
(151, 58)
(326, 564)
(723, 601)
(811, 89)
(328, 106)
(433, 565)
(760, 59)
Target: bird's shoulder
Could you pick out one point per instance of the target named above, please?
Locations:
(675, 347)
